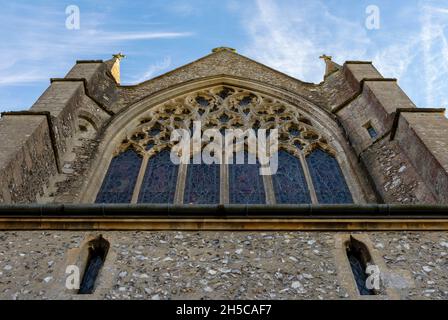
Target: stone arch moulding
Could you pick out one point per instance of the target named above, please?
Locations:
(125, 123)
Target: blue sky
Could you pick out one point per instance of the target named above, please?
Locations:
(159, 35)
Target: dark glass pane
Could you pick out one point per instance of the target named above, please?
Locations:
(328, 179)
(298, 145)
(246, 183)
(119, 183)
(225, 92)
(155, 130)
(159, 182)
(359, 274)
(245, 101)
(202, 184)
(202, 101)
(224, 118)
(149, 145)
(289, 182)
(295, 132)
(372, 132)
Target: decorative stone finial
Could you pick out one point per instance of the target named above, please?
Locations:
(330, 66)
(119, 56)
(325, 57)
(224, 49)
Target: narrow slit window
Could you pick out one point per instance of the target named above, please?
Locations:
(359, 258)
(371, 130)
(98, 249)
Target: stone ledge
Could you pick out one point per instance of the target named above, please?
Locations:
(223, 224)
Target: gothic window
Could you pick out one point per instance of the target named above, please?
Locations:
(246, 183)
(328, 179)
(221, 108)
(159, 182)
(119, 183)
(289, 182)
(202, 185)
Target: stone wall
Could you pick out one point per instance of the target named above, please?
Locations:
(223, 265)
(35, 143)
(412, 168)
(404, 170)
(425, 137)
(218, 64)
(27, 158)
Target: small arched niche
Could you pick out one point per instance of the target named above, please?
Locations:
(303, 131)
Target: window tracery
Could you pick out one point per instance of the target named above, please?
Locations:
(225, 107)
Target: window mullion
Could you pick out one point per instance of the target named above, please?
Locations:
(269, 189)
(180, 185)
(141, 175)
(308, 178)
(224, 183)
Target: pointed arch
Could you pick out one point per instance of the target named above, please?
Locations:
(147, 125)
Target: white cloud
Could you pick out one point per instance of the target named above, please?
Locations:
(154, 69)
(22, 78)
(288, 38)
(291, 35)
(40, 47)
(112, 37)
(435, 54)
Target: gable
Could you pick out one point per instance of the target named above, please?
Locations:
(220, 62)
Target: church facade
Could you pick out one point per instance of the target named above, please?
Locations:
(86, 179)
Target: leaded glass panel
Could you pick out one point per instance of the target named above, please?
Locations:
(289, 181)
(246, 183)
(159, 182)
(202, 185)
(119, 183)
(328, 179)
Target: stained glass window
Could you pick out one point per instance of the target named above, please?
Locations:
(159, 182)
(119, 183)
(289, 181)
(328, 179)
(246, 183)
(202, 185)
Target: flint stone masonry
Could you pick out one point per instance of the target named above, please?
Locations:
(217, 64)
(218, 265)
(424, 135)
(337, 89)
(396, 179)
